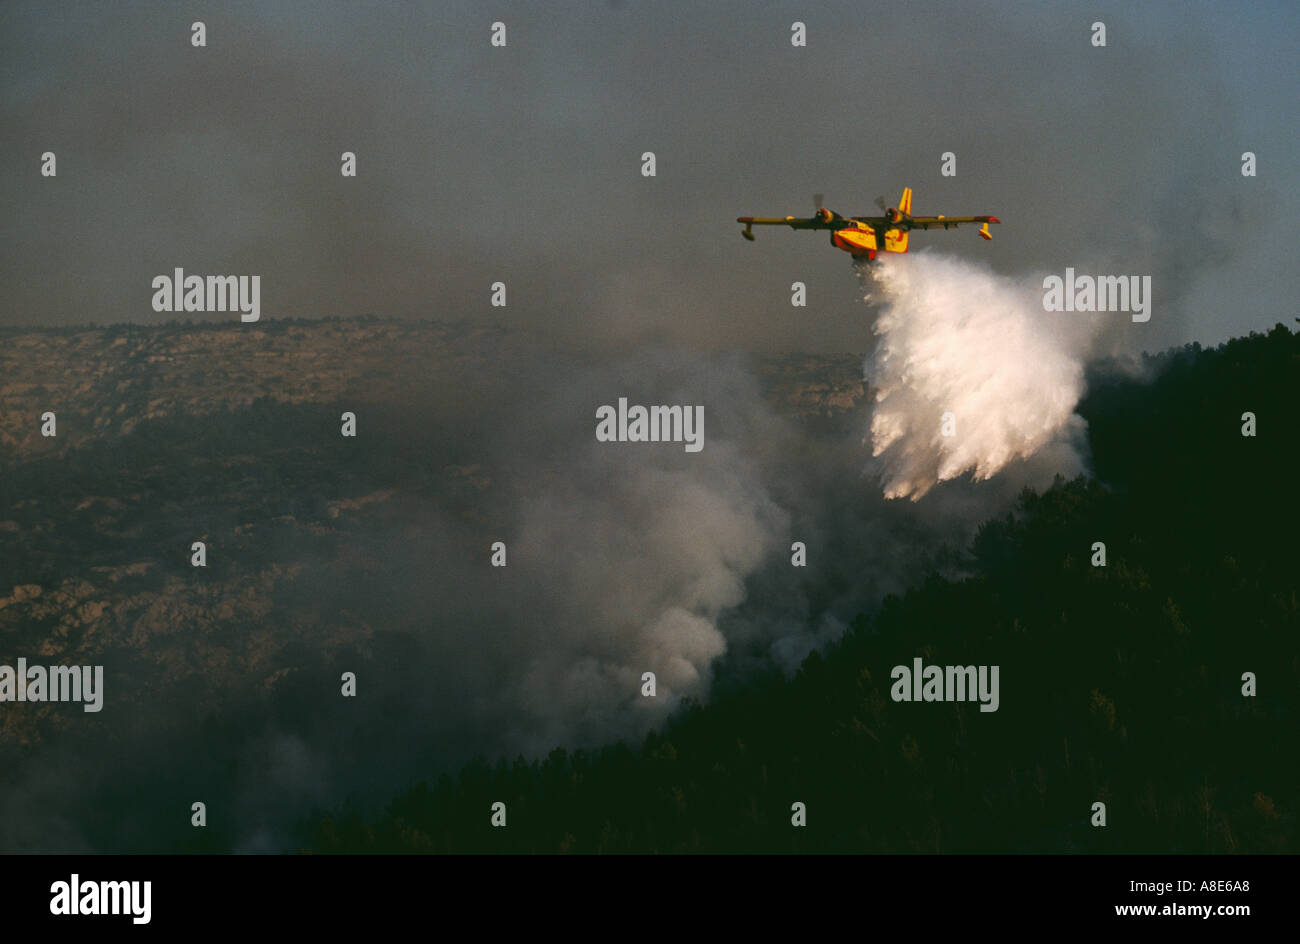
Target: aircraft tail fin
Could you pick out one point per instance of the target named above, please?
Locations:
(905, 202)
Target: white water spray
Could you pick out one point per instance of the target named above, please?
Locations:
(970, 373)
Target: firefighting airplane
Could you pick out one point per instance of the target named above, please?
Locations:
(864, 236)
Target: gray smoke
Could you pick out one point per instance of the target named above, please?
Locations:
(623, 558)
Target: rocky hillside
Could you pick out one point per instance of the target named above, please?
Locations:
(229, 435)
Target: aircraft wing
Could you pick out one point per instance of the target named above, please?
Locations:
(793, 222)
(944, 222)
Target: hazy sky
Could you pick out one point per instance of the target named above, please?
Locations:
(523, 163)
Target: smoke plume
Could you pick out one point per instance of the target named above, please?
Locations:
(623, 559)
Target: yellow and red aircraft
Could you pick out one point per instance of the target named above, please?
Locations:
(866, 235)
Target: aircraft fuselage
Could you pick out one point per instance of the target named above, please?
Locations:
(859, 239)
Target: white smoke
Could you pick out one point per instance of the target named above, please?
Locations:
(954, 338)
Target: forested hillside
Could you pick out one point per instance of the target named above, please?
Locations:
(1120, 684)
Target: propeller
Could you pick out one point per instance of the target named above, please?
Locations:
(818, 198)
(880, 202)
